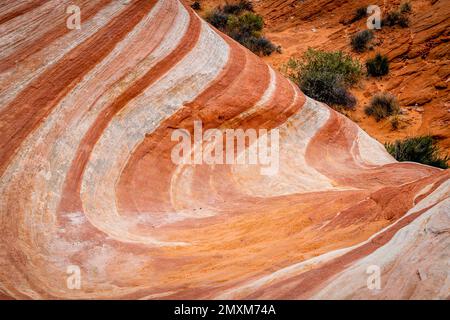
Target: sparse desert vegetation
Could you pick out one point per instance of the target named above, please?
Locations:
(243, 25)
(415, 64)
(359, 13)
(406, 7)
(360, 40)
(395, 122)
(382, 105)
(196, 5)
(237, 8)
(421, 149)
(398, 17)
(377, 66)
(326, 76)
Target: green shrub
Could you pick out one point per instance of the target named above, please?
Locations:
(337, 63)
(395, 122)
(360, 40)
(405, 7)
(395, 18)
(196, 5)
(238, 8)
(418, 149)
(326, 76)
(260, 45)
(327, 88)
(246, 5)
(360, 13)
(382, 105)
(247, 30)
(218, 19)
(244, 26)
(377, 66)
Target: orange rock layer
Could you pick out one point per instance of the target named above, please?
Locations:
(419, 57)
(87, 180)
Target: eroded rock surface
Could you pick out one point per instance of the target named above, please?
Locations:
(87, 180)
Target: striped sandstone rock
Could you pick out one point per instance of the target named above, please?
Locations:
(86, 176)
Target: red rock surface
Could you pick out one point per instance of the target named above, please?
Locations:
(86, 118)
(419, 58)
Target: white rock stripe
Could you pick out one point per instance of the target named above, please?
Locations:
(202, 231)
(180, 193)
(15, 80)
(295, 134)
(33, 24)
(45, 156)
(142, 116)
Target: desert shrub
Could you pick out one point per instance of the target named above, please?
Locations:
(360, 40)
(327, 88)
(398, 18)
(238, 8)
(247, 30)
(337, 63)
(231, 9)
(405, 7)
(395, 18)
(377, 66)
(395, 122)
(359, 13)
(196, 5)
(218, 19)
(326, 76)
(244, 26)
(260, 45)
(246, 5)
(382, 105)
(418, 149)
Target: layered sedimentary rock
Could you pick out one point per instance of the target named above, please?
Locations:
(418, 56)
(88, 181)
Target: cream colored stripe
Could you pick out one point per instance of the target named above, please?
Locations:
(16, 79)
(46, 155)
(182, 84)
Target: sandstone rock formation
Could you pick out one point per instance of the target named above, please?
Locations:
(86, 177)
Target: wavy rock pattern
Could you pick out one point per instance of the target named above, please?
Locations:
(86, 118)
